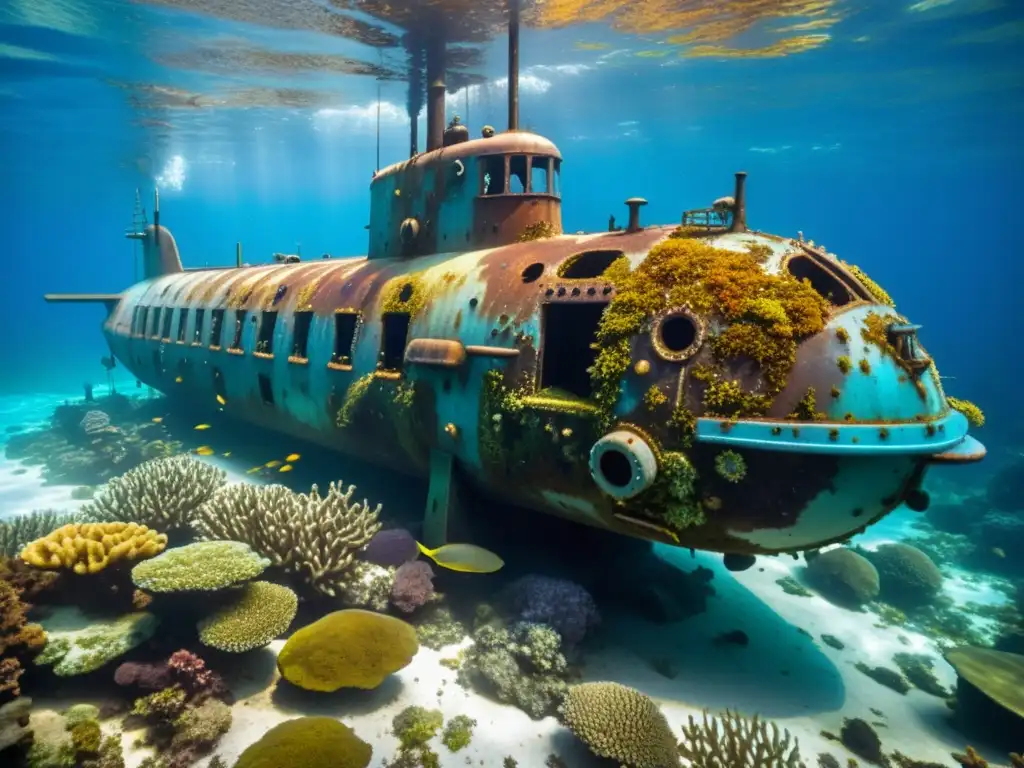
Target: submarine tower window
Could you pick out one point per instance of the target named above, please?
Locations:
(822, 281)
(143, 318)
(566, 353)
(533, 272)
(396, 332)
(135, 320)
(154, 323)
(556, 177)
(218, 384)
(300, 344)
(265, 340)
(539, 175)
(492, 175)
(266, 390)
(182, 324)
(589, 264)
(165, 332)
(344, 337)
(236, 340)
(517, 174)
(197, 332)
(216, 326)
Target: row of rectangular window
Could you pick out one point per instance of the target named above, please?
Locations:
(155, 322)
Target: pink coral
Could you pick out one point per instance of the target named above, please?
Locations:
(413, 586)
(191, 673)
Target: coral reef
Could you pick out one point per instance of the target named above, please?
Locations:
(203, 566)
(307, 742)
(316, 538)
(159, 493)
(413, 586)
(844, 577)
(437, 627)
(347, 649)
(183, 671)
(14, 722)
(390, 548)
(860, 738)
(414, 727)
(80, 744)
(181, 730)
(80, 651)
(17, 532)
(907, 576)
(620, 723)
(91, 547)
(367, 586)
(884, 676)
(19, 640)
(563, 605)
(458, 732)
(522, 665)
(260, 613)
(732, 740)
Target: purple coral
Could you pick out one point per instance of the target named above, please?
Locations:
(391, 548)
(183, 668)
(563, 605)
(413, 586)
(148, 676)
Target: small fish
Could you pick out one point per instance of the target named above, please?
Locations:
(733, 637)
(253, 471)
(998, 552)
(273, 463)
(205, 450)
(221, 400)
(178, 380)
(285, 468)
(226, 454)
(465, 558)
(202, 426)
(292, 457)
(158, 419)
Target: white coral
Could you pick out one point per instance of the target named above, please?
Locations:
(161, 493)
(314, 537)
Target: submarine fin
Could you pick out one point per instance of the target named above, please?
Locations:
(108, 300)
(443, 508)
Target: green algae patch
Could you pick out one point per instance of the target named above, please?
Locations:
(730, 466)
(975, 416)
(458, 732)
(807, 408)
(877, 292)
(404, 294)
(672, 497)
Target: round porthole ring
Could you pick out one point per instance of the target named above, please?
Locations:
(700, 331)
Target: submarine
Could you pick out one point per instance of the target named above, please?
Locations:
(701, 384)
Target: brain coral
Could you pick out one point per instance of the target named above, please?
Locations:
(843, 577)
(261, 613)
(162, 493)
(620, 723)
(307, 742)
(207, 565)
(347, 649)
(91, 547)
(909, 579)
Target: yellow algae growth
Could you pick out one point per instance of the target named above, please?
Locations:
(91, 547)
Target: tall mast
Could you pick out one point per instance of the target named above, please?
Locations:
(513, 65)
(436, 55)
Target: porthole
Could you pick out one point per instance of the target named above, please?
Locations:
(533, 272)
(677, 334)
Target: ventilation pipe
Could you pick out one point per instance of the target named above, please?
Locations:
(513, 65)
(634, 204)
(435, 91)
(739, 210)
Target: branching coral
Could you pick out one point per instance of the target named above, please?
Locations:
(18, 639)
(262, 612)
(160, 493)
(314, 537)
(18, 531)
(620, 723)
(91, 547)
(203, 566)
(733, 741)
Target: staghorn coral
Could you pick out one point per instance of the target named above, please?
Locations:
(91, 547)
(733, 741)
(161, 493)
(81, 651)
(262, 612)
(620, 723)
(347, 649)
(307, 742)
(18, 639)
(20, 530)
(203, 566)
(315, 537)
(413, 586)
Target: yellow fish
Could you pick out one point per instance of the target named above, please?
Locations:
(254, 470)
(204, 450)
(292, 457)
(465, 558)
(178, 380)
(202, 426)
(273, 463)
(221, 400)
(158, 419)
(226, 454)
(285, 468)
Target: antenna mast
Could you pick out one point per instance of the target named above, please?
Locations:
(513, 65)
(137, 232)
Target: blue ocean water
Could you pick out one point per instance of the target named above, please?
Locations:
(890, 132)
